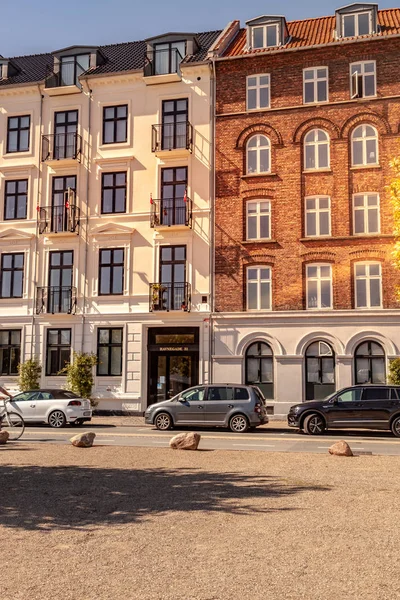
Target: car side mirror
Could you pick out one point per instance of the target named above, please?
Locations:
(181, 399)
(335, 401)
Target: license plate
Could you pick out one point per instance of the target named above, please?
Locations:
(86, 413)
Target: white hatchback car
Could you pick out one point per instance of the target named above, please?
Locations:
(55, 407)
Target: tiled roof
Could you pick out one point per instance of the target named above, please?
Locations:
(118, 58)
(315, 32)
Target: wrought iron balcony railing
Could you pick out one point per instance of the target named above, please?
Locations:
(170, 296)
(56, 299)
(59, 219)
(59, 146)
(171, 211)
(172, 136)
(162, 61)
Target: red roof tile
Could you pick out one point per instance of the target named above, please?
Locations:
(315, 32)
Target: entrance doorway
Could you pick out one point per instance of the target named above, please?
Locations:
(173, 358)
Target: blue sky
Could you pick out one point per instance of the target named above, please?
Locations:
(32, 26)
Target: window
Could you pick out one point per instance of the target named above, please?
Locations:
(65, 138)
(174, 130)
(111, 278)
(173, 206)
(320, 371)
(12, 275)
(366, 213)
(318, 216)
(374, 393)
(363, 79)
(265, 36)
(259, 288)
(370, 363)
(350, 396)
(113, 193)
(220, 393)
(15, 199)
(260, 368)
(168, 56)
(63, 191)
(115, 124)
(364, 146)
(316, 149)
(368, 282)
(60, 295)
(258, 92)
(315, 85)
(356, 24)
(10, 351)
(72, 67)
(18, 134)
(173, 291)
(58, 353)
(258, 220)
(109, 351)
(194, 394)
(319, 286)
(240, 394)
(258, 154)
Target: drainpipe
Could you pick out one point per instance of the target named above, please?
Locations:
(35, 252)
(85, 280)
(212, 219)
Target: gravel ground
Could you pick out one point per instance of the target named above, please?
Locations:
(156, 524)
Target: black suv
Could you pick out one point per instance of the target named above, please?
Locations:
(357, 407)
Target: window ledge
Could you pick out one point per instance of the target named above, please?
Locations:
(357, 167)
(326, 238)
(260, 241)
(261, 109)
(249, 175)
(317, 171)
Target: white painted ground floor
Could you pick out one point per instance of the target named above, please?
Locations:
(299, 355)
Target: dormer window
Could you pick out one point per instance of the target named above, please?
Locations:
(266, 32)
(357, 24)
(356, 20)
(265, 36)
(168, 56)
(72, 67)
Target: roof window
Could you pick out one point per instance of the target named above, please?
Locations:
(266, 32)
(356, 20)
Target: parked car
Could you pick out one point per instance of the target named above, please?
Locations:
(55, 407)
(356, 407)
(238, 407)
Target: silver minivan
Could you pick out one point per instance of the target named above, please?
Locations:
(238, 407)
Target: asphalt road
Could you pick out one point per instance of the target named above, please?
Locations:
(267, 439)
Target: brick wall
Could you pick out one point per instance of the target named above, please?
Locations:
(287, 185)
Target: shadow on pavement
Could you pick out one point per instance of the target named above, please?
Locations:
(70, 497)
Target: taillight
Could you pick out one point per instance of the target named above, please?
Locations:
(257, 408)
(75, 403)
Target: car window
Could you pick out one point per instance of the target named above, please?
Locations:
(44, 396)
(259, 394)
(193, 394)
(69, 395)
(220, 393)
(394, 394)
(373, 393)
(349, 395)
(25, 396)
(241, 394)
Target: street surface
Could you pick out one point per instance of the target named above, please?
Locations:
(268, 439)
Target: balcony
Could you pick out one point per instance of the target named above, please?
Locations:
(61, 146)
(162, 66)
(56, 300)
(174, 139)
(169, 296)
(171, 212)
(59, 219)
(64, 81)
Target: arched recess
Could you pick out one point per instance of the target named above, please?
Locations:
(259, 336)
(316, 123)
(259, 129)
(259, 367)
(373, 336)
(320, 336)
(319, 370)
(370, 118)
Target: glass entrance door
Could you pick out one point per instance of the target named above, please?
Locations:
(59, 203)
(65, 129)
(170, 374)
(173, 276)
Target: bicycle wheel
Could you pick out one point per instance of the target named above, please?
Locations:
(14, 424)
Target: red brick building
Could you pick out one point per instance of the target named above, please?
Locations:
(307, 120)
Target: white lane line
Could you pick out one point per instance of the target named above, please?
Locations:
(255, 445)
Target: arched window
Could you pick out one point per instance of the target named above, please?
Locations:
(320, 371)
(316, 149)
(364, 146)
(258, 154)
(370, 364)
(260, 368)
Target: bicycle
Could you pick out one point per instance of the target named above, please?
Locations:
(11, 421)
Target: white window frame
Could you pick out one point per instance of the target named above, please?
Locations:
(257, 149)
(257, 217)
(319, 279)
(317, 210)
(356, 15)
(316, 144)
(364, 146)
(368, 278)
(365, 208)
(264, 28)
(314, 81)
(258, 268)
(258, 88)
(354, 79)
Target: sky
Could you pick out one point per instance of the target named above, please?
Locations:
(34, 26)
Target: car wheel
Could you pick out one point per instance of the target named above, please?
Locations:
(396, 427)
(314, 424)
(57, 419)
(163, 421)
(238, 424)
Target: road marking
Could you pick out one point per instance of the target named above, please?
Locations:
(255, 445)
